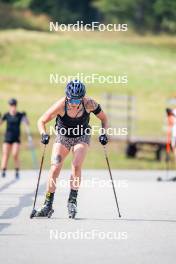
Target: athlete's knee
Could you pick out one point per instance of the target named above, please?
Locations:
(55, 169)
(5, 154)
(15, 156)
(56, 160)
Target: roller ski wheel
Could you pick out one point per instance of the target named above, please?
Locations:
(45, 211)
(159, 179)
(72, 210)
(72, 215)
(32, 215)
(50, 213)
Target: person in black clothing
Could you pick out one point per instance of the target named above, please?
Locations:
(72, 114)
(11, 143)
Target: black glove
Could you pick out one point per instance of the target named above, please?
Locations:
(45, 139)
(169, 111)
(103, 139)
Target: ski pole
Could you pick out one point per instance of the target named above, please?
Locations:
(38, 181)
(107, 160)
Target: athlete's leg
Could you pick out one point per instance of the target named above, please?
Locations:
(59, 153)
(79, 154)
(6, 149)
(15, 154)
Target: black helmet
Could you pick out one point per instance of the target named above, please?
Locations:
(12, 101)
(75, 90)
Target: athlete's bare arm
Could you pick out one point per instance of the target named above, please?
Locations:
(51, 113)
(104, 120)
(91, 105)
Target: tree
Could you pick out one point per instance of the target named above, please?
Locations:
(165, 11)
(154, 15)
(67, 11)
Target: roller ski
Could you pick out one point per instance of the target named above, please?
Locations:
(166, 180)
(72, 204)
(72, 209)
(45, 211)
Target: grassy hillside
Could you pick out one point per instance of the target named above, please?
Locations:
(27, 59)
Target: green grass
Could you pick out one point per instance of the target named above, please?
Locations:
(28, 57)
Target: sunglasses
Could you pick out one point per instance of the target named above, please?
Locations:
(75, 101)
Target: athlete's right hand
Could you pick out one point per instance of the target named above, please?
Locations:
(45, 139)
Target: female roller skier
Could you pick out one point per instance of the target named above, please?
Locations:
(72, 111)
(11, 143)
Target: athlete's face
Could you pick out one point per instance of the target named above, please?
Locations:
(74, 102)
(13, 109)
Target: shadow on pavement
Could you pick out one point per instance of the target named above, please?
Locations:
(24, 201)
(12, 212)
(4, 225)
(7, 185)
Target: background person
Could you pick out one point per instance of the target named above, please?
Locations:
(174, 133)
(171, 113)
(11, 144)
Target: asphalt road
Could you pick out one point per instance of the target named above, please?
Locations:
(146, 233)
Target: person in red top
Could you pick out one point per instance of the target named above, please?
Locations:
(172, 129)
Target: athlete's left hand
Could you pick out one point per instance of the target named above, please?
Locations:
(103, 139)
